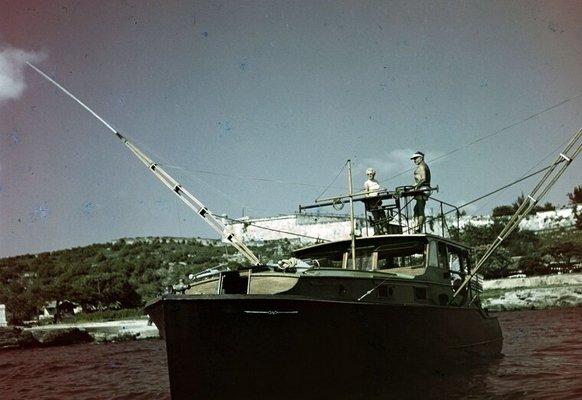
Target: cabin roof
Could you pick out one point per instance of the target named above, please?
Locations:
(371, 241)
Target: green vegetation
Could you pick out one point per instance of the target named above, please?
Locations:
(530, 253)
(512, 208)
(102, 278)
(107, 315)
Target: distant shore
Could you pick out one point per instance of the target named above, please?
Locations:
(12, 337)
(107, 331)
(533, 293)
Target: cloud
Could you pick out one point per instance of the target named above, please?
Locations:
(12, 64)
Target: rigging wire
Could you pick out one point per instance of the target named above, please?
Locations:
(548, 155)
(225, 195)
(254, 178)
(481, 138)
(164, 162)
(501, 188)
(275, 230)
(331, 183)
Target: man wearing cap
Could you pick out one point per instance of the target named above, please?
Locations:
(371, 187)
(421, 181)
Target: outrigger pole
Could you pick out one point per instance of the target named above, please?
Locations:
(184, 195)
(570, 152)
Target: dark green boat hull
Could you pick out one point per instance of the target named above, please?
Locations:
(273, 347)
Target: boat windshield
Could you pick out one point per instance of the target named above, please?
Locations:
(404, 255)
(397, 256)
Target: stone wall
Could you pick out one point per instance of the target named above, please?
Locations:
(533, 281)
(312, 227)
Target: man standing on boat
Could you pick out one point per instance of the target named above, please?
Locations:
(371, 187)
(421, 181)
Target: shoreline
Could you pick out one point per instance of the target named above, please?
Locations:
(533, 293)
(105, 331)
(16, 337)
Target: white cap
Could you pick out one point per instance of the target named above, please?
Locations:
(417, 154)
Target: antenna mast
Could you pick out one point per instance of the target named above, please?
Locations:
(184, 195)
(352, 220)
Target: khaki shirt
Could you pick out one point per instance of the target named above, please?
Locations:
(422, 175)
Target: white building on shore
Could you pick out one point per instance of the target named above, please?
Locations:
(309, 228)
(303, 228)
(3, 315)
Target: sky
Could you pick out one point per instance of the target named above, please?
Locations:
(255, 106)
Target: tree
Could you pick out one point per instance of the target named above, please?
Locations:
(533, 264)
(501, 211)
(563, 248)
(497, 265)
(504, 210)
(578, 217)
(107, 290)
(576, 195)
(21, 303)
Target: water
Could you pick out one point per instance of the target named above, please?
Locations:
(543, 360)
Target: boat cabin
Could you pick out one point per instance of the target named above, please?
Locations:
(410, 254)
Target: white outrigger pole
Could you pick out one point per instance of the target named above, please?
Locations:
(184, 195)
(565, 158)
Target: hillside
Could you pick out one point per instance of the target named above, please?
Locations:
(127, 273)
(118, 275)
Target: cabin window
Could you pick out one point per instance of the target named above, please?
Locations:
(401, 255)
(420, 294)
(385, 291)
(324, 263)
(433, 258)
(443, 299)
(442, 256)
(365, 260)
(458, 264)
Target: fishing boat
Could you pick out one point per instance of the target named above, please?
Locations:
(334, 316)
(337, 318)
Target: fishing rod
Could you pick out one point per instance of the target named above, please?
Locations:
(564, 160)
(172, 184)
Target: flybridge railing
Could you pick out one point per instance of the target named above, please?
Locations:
(395, 208)
(439, 223)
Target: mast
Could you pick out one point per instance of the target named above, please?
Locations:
(352, 220)
(188, 198)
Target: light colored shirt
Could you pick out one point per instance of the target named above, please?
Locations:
(372, 187)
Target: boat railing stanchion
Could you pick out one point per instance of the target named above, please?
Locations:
(249, 273)
(219, 287)
(442, 220)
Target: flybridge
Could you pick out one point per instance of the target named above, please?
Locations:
(188, 198)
